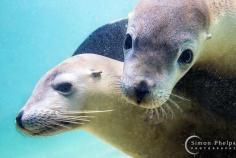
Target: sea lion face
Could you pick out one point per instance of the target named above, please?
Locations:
(162, 43)
(58, 99)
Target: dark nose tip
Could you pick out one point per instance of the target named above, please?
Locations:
(19, 119)
(141, 90)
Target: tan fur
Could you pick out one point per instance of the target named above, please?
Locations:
(219, 53)
(222, 20)
(220, 7)
(127, 127)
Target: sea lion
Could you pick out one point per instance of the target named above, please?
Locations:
(83, 92)
(107, 40)
(212, 91)
(166, 38)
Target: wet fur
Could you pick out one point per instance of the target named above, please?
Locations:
(130, 128)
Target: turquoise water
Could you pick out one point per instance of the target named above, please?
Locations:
(35, 36)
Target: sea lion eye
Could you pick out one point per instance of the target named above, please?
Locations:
(186, 57)
(64, 88)
(128, 42)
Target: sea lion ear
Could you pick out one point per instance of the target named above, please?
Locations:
(208, 36)
(96, 74)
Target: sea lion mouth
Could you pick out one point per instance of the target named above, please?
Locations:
(148, 102)
(44, 129)
(145, 97)
(52, 129)
(48, 122)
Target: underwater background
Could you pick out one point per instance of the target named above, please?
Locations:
(35, 36)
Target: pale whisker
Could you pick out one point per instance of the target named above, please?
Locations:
(157, 113)
(54, 122)
(86, 112)
(72, 119)
(170, 110)
(75, 116)
(176, 105)
(164, 112)
(180, 97)
(73, 122)
(47, 124)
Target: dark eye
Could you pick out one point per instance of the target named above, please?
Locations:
(128, 42)
(64, 88)
(186, 57)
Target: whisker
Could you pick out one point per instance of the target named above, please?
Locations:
(75, 116)
(72, 119)
(146, 111)
(54, 122)
(180, 97)
(53, 128)
(163, 112)
(47, 124)
(73, 122)
(86, 112)
(157, 113)
(118, 89)
(170, 110)
(109, 75)
(151, 113)
(116, 85)
(176, 105)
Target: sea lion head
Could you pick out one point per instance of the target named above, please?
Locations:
(162, 43)
(59, 99)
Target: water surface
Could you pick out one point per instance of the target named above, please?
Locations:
(35, 36)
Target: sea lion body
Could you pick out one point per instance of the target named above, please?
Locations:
(165, 39)
(222, 45)
(95, 103)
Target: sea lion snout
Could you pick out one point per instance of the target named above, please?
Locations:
(144, 91)
(19, 119)
(139, 92)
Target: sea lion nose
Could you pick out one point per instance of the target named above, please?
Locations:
(19, 119)
(141, 91)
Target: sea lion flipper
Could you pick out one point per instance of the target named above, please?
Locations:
(107, 40)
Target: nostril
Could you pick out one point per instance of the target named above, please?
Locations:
(141, 91)
(19, 119)
(143, 85)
